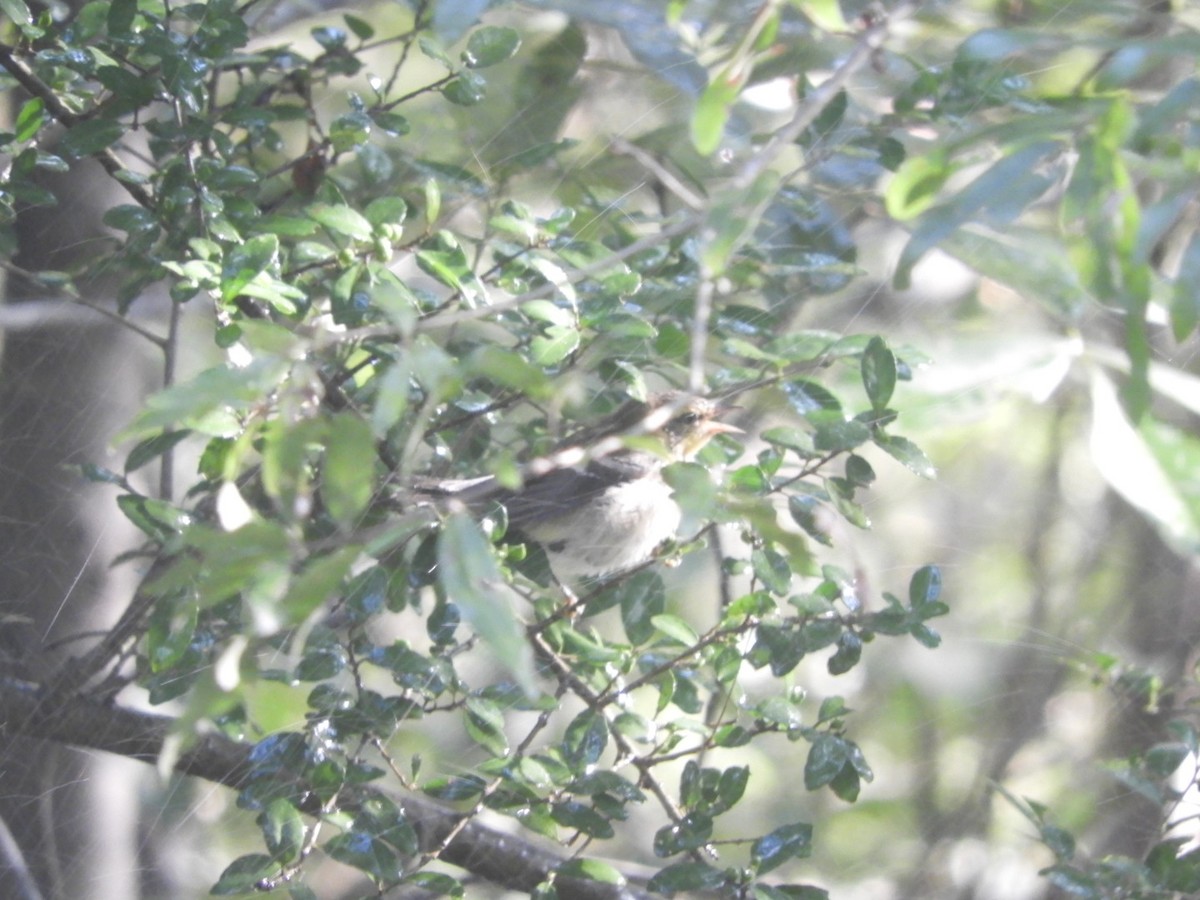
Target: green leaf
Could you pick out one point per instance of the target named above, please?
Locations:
(785, 843)
(490, 45)
(642, 597)
(435, 884)
(319, 581)
(157, 518)
(925, 586)
(349, 131)
(582, 818)
(386, 211)
(391, 396)
(243, 874)
(907, 453)
(90, 137)
(826, 757)
(585, 740)
(685, 877)
(712, 112)
(915, 185)
(17, 11)
(509, 370)
(30, 119)
(590, 870)
(469, 574)
(835, 434)
(676, 629)
(849, 651)
(554, 345)
(151, 448)
(878, 373)
(485, 725)
(467, 89)
(245, 262)
(341, 219)
(367, 853)
(694, 831)
(283, 830)
(349, 467)
(772, 569)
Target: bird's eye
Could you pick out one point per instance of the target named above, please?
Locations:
(687, 419)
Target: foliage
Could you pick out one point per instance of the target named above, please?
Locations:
(412, 273)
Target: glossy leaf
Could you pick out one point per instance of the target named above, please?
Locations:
(781, 845)
(490, 45)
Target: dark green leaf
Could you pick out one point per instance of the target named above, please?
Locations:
(244, 874)
(733, 785)
(361, 27)
(878, 373)
(687, 876)
(485, 725)
(783, 844)
(925, 586)
(846, 784)
(585, 740)
(435, 884)
(849, 650)
(368, 853)
(825, 760)
(582, 818)
(152, 448)
(90, 137)
(691, 833)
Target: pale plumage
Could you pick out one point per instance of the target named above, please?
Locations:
(596, 506)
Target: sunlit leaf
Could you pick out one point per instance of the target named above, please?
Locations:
(472, 580)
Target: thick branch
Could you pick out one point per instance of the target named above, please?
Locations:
(507, 860)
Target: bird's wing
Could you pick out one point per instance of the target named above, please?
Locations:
(564, 490)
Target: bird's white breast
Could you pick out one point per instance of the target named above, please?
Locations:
(617, 531)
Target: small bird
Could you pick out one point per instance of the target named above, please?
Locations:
(597, 506)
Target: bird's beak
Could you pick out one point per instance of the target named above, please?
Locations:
(712, 429)
(694, 443)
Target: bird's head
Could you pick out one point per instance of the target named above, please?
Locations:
(689, 422)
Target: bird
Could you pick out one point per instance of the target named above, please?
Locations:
(597, 506)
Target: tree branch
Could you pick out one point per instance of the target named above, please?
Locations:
(504, 859)
(28, 79)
